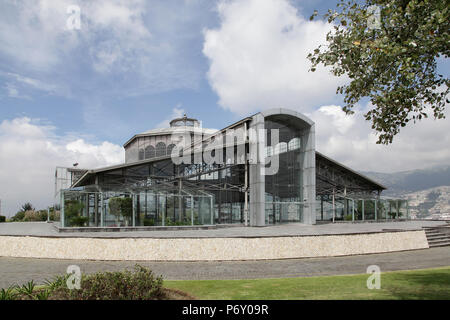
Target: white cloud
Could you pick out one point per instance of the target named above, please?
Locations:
(351, 140)
(124, 47)
(258, 57)
(29, 153)
(177, 112)
(45, 20)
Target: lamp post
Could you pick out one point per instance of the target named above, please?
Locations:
(48, 214)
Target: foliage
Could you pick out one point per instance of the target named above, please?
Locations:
(18, 216)
(78, 221)
(27, 289)
(2, 218)
(27, 207)
(393, 63)
(57, 282)
(177, 223)
(348, 217)
(138, 285)
(121, 206)
(32, 215)
(55, 215)
(72, 211)
(114, 206)
(149, 222)
(42, 294)
(8, 294)
(126, 207)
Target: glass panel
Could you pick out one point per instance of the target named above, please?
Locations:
(160, 149)
(294, 144)
(149, 152)
(369, 209)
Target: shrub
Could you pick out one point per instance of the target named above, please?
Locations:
(8, 294)
(73, 211)
(78, 221)
(138, 285)
(32, 215)
(121, 207)
(54, 215)
(18, 216)
(177, 223)
(348, 217)
(149, 222)
(2, 218)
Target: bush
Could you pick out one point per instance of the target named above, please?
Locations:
(348, 217)
(138, 285)
(54, 215)
(127, 285)
(78, 221)
(121, 207)
(32, 215)
(73, 211)
(177, 223)
(19, 216)
(2, 218)
(149, 222)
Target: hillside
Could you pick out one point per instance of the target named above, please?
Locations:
(428, 190)
(401, 183)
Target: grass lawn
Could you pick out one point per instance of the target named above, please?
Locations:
(417, 284)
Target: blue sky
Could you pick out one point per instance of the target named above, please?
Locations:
(73, 95)
(77, 95)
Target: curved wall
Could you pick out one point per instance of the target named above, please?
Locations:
(210, 249)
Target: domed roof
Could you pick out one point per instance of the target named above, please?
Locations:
(176, 125)
(184, 122)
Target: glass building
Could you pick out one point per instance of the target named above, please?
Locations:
(261, 170)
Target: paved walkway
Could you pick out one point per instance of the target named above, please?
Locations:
(21, 270)
(44, 229)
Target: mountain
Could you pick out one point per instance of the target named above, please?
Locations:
(427, 190)
(430, 203)
(400, 183)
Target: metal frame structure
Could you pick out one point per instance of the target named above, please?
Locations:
(237, 187)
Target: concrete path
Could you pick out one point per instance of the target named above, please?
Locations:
(21, 270)
(43, 229)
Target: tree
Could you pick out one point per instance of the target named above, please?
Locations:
(73, 210)
(121, 207)
(114, 207)
(27, 207)
(389, 50)
(126, 208)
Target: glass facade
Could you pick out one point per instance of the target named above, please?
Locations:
(284, 188)
(145, 208)
(368, 209)
(162, 192)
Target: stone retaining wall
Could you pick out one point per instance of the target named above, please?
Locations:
(210, 249)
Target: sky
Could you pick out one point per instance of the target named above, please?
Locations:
(72, 95)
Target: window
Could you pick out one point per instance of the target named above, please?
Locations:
(170, 148)
(141, 154)
(280, 148)
(160, 149)
(294, 144)
(149, 152)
